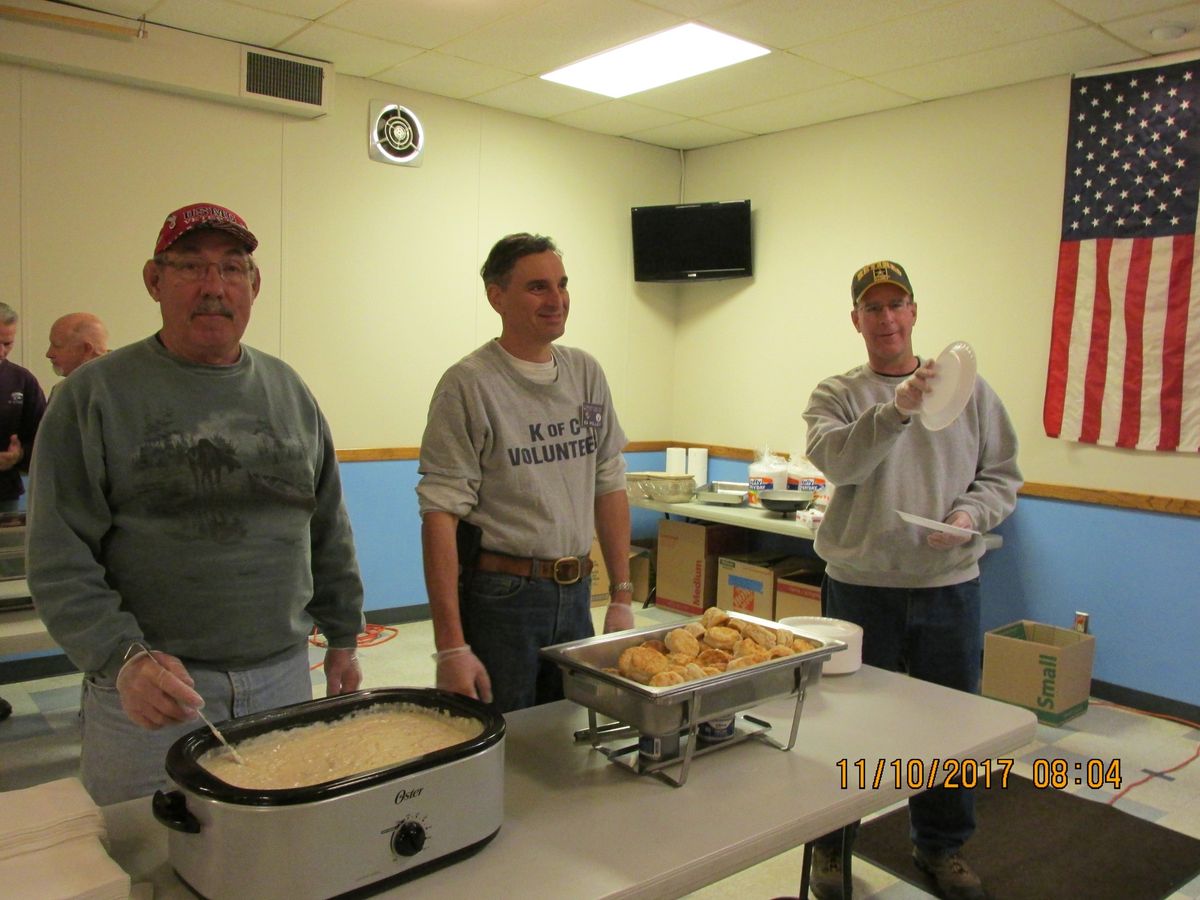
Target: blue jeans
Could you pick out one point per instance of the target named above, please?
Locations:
(932, 634)
(507, 618)
(121, 760)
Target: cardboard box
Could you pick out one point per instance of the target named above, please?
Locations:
(686, 578)
(639, 574)
(1041, 667)
(798, 589)
(746, 582)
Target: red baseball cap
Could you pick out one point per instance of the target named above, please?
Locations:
(203, 215)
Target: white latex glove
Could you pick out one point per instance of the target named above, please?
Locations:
(941, 540)
(618, 617)
(910, 393)
(156, 690)
(463, 673)
(343, 674)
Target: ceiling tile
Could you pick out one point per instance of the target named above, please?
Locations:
(775, 75)
(1084, 48)
(422, 23)
(617, 117)
(787, 23)
(449, 76)
(846, 58)
(308, 9)
(1107, 10)
(941, 33)
(231, 21)
(838, 101)
(132, 8)
(537, 97)
(692, 9)
(689, 134)
(559, 32)
(1136, 30)
(351, 54)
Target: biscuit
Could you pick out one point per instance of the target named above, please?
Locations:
(764, 637)
(656, 644)
(641, 663)
(713, 616)
(721, 637)
(711, 656)
(679, 641)
(747, 647)
(666, 679)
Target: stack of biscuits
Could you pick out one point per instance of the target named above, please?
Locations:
(716, 643)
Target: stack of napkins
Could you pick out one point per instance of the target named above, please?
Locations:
(52, 845)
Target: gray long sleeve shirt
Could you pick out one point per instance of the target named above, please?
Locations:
(523, 461)
(196, 509)
(878, 464)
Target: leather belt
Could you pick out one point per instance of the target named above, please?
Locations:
(565, 570)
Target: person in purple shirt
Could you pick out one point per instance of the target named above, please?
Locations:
(21, 406)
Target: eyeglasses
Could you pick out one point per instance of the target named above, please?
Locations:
(191, 269)
(895, 307)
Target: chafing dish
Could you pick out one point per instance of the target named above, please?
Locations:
(679, 709)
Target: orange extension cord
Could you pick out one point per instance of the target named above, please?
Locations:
(372, 636)
(1138, 712)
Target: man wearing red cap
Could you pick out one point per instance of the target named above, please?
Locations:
(187, 528)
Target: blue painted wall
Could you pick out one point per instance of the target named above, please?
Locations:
(1132, 571)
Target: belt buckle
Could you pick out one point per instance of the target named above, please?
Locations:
(570, 564)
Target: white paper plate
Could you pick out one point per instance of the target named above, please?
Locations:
(934, 524)
(953, 382)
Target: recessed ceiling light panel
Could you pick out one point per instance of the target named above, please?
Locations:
(662, 58)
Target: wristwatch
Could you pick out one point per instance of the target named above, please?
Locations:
(620, 586)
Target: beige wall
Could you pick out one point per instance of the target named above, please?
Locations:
(966, 193)
(370, 285)
(370, 271)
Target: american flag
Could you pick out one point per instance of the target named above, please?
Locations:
(1125, 340)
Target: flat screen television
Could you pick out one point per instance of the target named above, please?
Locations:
(692, 241)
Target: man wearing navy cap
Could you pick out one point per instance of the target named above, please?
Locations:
(186, 528)
(915, 592)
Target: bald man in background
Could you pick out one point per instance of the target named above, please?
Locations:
(74, 339)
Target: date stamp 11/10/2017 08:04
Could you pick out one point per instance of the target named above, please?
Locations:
(922, 775)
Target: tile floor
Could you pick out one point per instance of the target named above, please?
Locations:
(40, 742)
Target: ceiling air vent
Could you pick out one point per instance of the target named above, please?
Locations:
(283, 82)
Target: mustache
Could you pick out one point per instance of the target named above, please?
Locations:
(213, 307)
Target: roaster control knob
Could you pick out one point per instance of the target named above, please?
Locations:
(409, 838)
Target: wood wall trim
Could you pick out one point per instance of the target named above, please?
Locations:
(1120, 499)
(381, 454)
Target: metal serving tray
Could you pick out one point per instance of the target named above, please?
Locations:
(663, 710)
(725, 493)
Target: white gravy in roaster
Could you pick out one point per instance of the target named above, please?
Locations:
(325, 751)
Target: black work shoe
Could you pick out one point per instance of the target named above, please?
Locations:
(955, 879)
(5, 709)
(825, 876)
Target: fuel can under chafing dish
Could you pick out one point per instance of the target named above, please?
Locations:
(319, 841)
